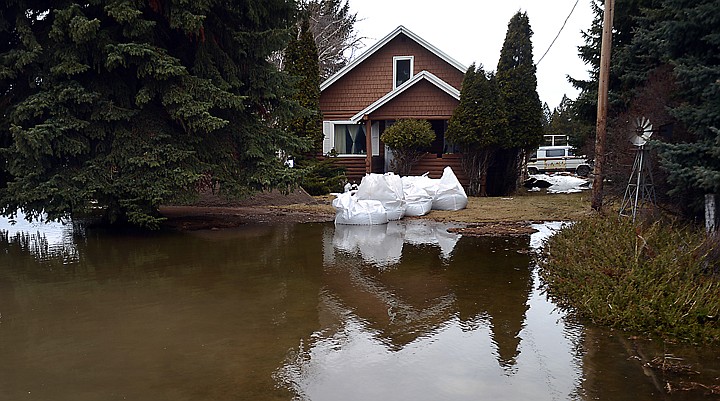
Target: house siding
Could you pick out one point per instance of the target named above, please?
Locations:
(422, 101)
(434, 166)
(373, 78)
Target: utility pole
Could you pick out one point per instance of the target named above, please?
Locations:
(601, 127)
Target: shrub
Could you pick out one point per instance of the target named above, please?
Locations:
(408, 140)
(651, 278)
(323, 177)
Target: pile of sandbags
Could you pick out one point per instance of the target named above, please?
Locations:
(385, 197)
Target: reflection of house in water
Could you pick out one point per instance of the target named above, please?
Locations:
(398, 280)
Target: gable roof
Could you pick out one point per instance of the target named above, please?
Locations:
(422, 76)
(382, 42)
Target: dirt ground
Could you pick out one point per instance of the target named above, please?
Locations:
(483, 216)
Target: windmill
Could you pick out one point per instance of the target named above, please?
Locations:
(640, 189)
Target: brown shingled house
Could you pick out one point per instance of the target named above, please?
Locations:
(401, 76)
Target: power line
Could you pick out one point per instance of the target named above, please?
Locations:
(558, 34)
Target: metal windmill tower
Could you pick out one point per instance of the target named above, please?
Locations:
(640, 189)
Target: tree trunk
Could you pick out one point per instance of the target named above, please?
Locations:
(711, 215)
(475, 164)
(505, 172)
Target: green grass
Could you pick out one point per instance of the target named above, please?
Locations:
(660, 279)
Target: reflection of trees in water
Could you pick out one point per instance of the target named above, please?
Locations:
(490, 277)
(399, 313)
(486, 279)
(57, 247)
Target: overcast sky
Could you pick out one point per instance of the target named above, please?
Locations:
(473, 31)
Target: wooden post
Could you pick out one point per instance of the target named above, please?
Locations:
(368, 145)
(601, 127)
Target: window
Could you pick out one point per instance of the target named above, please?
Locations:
(402, 70)
(556, 140)
(350, 139)
(555, 153)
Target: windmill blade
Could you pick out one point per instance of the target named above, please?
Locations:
(647, 133)
(642, 132)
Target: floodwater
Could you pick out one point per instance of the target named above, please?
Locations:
(405, 311)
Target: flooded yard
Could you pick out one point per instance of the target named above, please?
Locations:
(404, 311)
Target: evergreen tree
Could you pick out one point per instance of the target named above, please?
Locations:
(685, 34)
(627, 19)
(302, 63)
(564, 121)
(547, 115)
(408, 139)
(648, 37)
(125, 105)
(477, 126)
(518, 90)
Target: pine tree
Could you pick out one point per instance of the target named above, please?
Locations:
(686, 35)
(477, 126)
(302, 63)
(648, 37)
(517, 83)
(124, 106)
(547, 116)
(564, 121)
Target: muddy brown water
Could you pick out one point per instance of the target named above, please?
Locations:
(405, 311)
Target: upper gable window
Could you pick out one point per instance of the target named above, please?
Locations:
(402, 70)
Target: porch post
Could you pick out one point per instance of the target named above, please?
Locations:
(368, 145)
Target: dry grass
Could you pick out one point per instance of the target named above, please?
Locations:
(526, 206)
(531, 206)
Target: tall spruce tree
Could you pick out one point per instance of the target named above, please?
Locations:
(124, 105)
(564, 121)
(627, 19)
(648, 37)
(477, 126)
(685, 34)
(517, 83)
(301, 60)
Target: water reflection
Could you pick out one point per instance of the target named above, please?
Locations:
(382, 245)
(43, 240)
(426, 322)
(303, 312)
(158, 316)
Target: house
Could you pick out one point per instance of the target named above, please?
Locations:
(401, 76)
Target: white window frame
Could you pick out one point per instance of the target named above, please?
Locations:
(329, 138)
(412, 68)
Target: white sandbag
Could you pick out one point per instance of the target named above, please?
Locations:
(417, 201)
(427, 184)
(417, 197)
(450, 195)
(395, 208)
(395, 183)
(385, 188)
(420, 207)
(350, 210)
